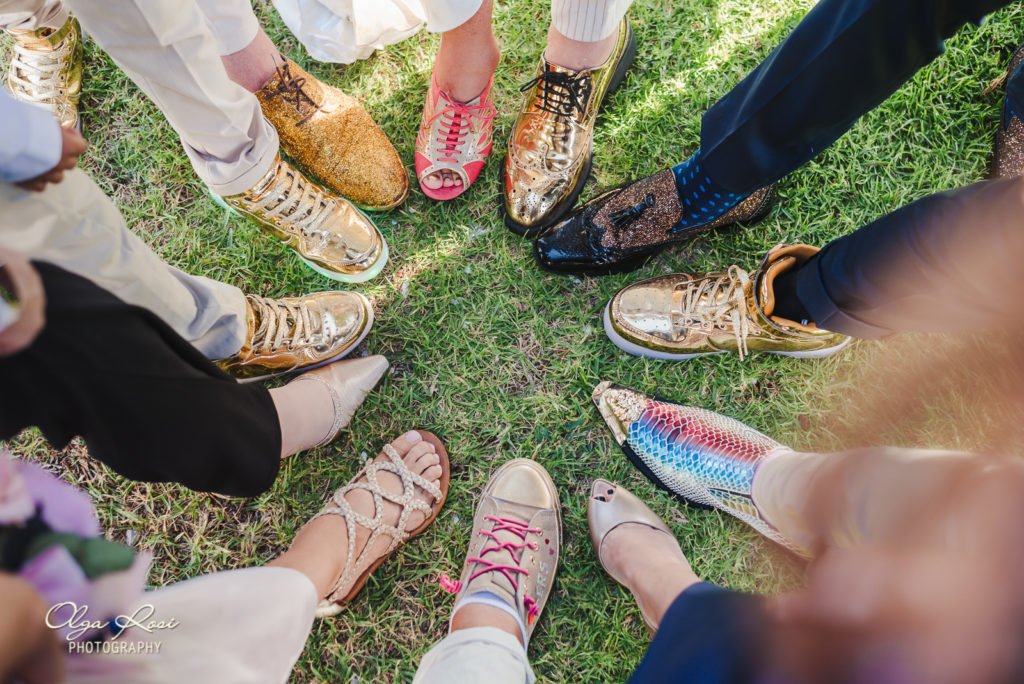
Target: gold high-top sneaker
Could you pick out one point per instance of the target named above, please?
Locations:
(330, 136)
(46, 69)
(550, 147)
(299, 333)
(330, 234)
(681, 316)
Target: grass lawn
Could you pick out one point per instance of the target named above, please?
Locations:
(500, 359)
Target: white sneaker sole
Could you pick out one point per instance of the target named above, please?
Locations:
(635, 349)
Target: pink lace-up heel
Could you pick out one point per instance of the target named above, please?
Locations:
(517, 534)
(454, 136)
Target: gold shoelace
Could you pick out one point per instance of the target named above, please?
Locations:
(714, 302)
(36, 74)
(282, 324)
(299, 205)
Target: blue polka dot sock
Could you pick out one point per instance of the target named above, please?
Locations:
(703, 200)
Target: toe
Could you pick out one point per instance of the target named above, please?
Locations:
(603, 490)
(406, 442)
(433, 181)
(427, 460)
(448, 182)
(418, 452)
(432, 474)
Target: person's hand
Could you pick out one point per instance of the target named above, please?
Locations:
(73, 146)
(22, 280)
(30, 652)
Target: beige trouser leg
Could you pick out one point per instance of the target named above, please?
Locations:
(75, 226)
(481, 654)
(172, 49)
(874, 491)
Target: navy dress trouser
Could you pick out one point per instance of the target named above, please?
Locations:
(907, 271)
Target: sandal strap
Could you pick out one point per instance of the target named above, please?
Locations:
(338, 505)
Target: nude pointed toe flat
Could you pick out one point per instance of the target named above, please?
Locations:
(603, 516)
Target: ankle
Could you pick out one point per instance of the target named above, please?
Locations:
(461, 82)
(578, 55)
(253, 66)
(475, 615)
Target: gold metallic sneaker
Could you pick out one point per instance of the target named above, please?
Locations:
(1008, 159)
(549, 151)
(517, 536)
(330, 136)
(330, 234)
(299, 333)
(682, 316)
(46, 70)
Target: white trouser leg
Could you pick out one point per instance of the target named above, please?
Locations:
(247, 625)
(75, 226)
(481, 654)
(232, 23)
(167, 48)
(588, 21)
(445, 15)
(29, 15)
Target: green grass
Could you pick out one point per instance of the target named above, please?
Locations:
(500, 359)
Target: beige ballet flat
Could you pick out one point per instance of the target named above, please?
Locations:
(604, 516)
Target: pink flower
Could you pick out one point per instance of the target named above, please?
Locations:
(15, 501)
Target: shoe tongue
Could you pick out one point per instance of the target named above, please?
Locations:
(496, 581)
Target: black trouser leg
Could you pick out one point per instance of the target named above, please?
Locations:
(147, 403)
(843, 60)
(950, 262)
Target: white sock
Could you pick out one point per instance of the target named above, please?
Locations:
(486, 598)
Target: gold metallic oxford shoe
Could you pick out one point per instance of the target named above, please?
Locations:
(330, 136)
(299, 333)
(549, 150)
(46, 70)
(330, 234)
(681, 316)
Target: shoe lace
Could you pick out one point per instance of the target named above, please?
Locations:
(291, 88)
(727, 294)
(292, 201)
(37, 74)
(512, 571)
(458, 121)
(561, 94)
(281, 324)
(622, 218)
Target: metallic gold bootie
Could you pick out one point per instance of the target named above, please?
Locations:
(46, 70)
(330, 234)
(681, 316)
(550, 148)
(330, 136)
(299, 333)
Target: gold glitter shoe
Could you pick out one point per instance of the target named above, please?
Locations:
(47, 70)
(299, 333)
(549, 151)
(330, 234)
(681, 316)
(1008, 160)
(330, 136)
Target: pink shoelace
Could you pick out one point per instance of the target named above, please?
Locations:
(458, 120)
(510, 572)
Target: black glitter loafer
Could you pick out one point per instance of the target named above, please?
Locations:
(621, 229)
(1008, 159)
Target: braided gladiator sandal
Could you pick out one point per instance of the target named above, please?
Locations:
(363, 566)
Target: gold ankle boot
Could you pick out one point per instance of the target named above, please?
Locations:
(299, 333)
(330, 136)
(550, 147)
(46, 70)
(331, 235)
